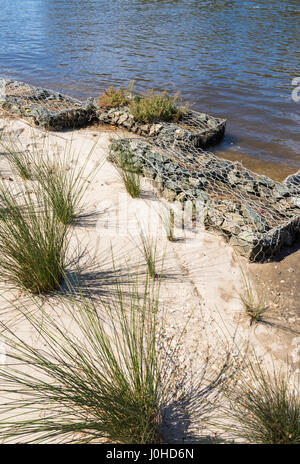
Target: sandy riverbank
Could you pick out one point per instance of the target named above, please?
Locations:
(202, 277)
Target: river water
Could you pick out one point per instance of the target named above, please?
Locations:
(234, 59)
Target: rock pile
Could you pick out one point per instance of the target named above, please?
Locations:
(198, 129)
(255, 214)
(45, 108)
(55, 111)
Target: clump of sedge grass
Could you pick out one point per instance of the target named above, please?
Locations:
(105, 382)
(131, 181)
(32, 243)
(21, 160)
(128, 171)
(64, 186)
(155, 107)
(108, 374)
(255, 307)
(21, 163)
(265, 408)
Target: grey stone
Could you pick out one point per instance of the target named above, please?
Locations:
(248, 236)
(202, 195)
(292, 182)
(281, 191)
(181, 196)
(256, 218)
(249, 187)
(266, 181)
(214, 218)
(234, 177)
(194, 181)
(171, 185)
(296, 201)
(123, 118)
(168, 194)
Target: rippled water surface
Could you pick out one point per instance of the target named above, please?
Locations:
(235, 59)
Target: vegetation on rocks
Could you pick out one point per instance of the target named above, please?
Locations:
(112, 98)
(156, 107)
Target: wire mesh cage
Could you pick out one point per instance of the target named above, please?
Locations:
(45, 108)
(255, 214)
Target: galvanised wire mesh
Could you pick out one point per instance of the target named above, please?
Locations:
(255, 214)
(45, 108)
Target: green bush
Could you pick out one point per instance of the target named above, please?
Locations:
(155, 107)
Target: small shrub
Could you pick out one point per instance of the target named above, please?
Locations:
(64, 186)
(153, 107)
(32, 243)
(265, 408)
(112, 98)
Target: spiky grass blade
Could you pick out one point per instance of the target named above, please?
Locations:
(255, 306)
(21, 160)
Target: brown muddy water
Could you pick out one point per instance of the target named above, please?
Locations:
(235, 59)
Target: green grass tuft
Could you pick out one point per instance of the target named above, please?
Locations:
(64, 185)
(155, 107)
(131, 181)
(255, 307)
(32, 243)
(265, 408)
(105, 382)
(168, 219)
(22, 161)
(149, 247)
